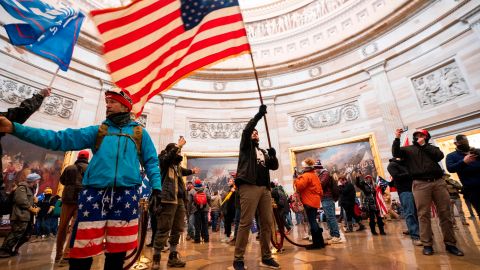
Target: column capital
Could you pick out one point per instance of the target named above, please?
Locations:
(376, 68)
(169, 100)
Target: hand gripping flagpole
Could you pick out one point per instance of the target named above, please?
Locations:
(261, 98)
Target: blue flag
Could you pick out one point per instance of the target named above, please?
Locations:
(47, 31)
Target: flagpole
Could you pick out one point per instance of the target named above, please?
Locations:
(261, 99)
(53, 78)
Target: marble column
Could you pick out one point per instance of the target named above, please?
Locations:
(386, 100)
(273, 129)
(168, 122)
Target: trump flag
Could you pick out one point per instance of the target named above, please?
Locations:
(149, 45)
(43, 29)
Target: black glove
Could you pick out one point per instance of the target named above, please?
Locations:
(271, 152)
(262, 110)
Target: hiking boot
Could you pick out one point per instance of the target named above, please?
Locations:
(453, 250)
(270, 263)
(239, 265)
(156, 262)
(427, 250)
(174, 261)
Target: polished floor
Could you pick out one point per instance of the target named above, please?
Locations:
(361, 250)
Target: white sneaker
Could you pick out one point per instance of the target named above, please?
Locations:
(417, 242)
(225, 240)
(336, 240)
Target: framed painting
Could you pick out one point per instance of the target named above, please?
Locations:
(215, 168)
(19, 156)
(343, 156)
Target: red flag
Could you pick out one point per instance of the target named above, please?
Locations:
(149, 45)
(381, 205)
(406, 142)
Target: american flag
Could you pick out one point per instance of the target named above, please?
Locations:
(149, 45)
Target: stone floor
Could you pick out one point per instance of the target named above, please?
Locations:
(360, 251)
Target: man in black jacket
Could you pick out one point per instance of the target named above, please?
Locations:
(21, 113)
(170, 203)
(403, 182)
(253, 182)
(422, 159)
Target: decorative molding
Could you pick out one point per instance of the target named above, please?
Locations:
(219, 86)
(327, 117)
(14, 92)
(266, 83)
(205, 129)
(315, 72)
(295, 19)
(440, 85)
(370, 49)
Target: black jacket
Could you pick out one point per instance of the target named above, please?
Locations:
(401, 177)
(172, 177)
(347, 195)
(21, 113)
(72, 178)
(421, 161)
(247, 160)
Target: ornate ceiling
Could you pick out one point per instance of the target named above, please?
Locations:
(288, 35)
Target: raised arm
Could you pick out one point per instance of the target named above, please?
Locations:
(247, 131)
(21, 113)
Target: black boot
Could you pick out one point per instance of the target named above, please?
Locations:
(156, 262)
(382, 231)
(114, 261)
(174, 261)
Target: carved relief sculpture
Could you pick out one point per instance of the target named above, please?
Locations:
(216, 130)
(327, 117)
(440, 85)
(14, 92)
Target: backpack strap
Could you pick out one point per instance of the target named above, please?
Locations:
(136, 138)
(102, 132)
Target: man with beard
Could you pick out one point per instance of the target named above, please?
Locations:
(107, 218)
(422, 159)
(253, 182)
(465, 161)
(171, 203)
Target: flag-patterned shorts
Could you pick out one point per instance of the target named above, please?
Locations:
(107, 220)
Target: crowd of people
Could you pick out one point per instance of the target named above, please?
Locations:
(98, 212)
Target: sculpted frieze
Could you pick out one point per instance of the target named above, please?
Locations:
(200, 129)
(295, 19)
(14, 92)
(327, 117)
(440, 85)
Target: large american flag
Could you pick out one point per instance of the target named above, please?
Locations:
(151, 44)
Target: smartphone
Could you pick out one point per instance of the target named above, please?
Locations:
(404, 129)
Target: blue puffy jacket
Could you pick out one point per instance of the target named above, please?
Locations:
(469, 174)
(116, 161)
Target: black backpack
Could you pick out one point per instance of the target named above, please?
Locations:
(6, 202)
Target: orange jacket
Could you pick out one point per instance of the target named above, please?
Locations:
(310, 189)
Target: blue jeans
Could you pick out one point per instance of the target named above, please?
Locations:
(328, 205)
(214, 215)
(191, 225)
(410, 214)
(299, 218)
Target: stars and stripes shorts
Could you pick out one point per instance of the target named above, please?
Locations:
(107, 221)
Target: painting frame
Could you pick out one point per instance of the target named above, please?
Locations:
(189, 156)
(368, 137)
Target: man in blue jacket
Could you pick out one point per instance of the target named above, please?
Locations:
(108, 203)
(465, 161)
